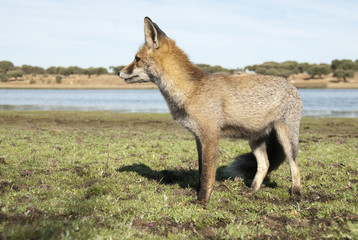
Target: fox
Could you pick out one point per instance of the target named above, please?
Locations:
(265, 110)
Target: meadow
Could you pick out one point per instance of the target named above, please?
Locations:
(105, 175)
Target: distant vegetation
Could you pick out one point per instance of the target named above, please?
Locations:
(9, 70)
(342, 69)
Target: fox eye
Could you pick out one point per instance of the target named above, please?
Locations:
(137, 59)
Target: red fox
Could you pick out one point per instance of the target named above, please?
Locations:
(265, 110)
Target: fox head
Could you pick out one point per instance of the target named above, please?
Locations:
(146, 64)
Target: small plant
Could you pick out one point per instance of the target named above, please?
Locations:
(58, 79)
(32, 81)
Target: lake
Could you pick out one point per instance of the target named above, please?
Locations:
(317, 102)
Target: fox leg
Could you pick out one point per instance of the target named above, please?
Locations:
(290, 147)
(207, 170)
(259, 150)
(200, 160)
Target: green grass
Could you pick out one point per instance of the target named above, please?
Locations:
(100, 175)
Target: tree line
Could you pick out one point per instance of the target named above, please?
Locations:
(342, 69)
(9, 70)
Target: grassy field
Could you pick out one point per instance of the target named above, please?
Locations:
(101, 175)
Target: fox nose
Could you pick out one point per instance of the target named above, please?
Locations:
(119, 73)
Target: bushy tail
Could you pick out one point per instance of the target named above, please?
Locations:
(245, 165)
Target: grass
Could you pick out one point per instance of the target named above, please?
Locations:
(101, 175)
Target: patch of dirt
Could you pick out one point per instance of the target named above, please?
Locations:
(31, 214)
(26, 173)
(318, 196)
(6, 184)
(207, 232)
(2, 160)
(353, 172)
(80, 170)
(184, 192)
(172, 227)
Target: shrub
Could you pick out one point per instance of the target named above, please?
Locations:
(58, 79)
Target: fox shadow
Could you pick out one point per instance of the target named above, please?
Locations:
(185, 178)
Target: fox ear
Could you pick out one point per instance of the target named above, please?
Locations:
(152, 33)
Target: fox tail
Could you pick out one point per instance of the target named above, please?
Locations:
(245, 165)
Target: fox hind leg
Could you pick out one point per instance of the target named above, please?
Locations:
(259, 150)
(290, 143)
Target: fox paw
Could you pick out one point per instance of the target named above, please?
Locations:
(296, 195)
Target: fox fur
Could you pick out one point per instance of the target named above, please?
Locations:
(265, 110)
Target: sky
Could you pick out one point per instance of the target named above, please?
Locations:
(229, 33)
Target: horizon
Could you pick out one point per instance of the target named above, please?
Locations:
(231, 34)
(109, 67)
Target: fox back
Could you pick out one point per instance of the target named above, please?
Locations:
(253, 107)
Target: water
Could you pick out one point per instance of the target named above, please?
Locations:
(330, 102)
(83, 100)
(317, 102)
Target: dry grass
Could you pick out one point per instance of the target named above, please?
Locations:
(328, 81)
(73, 82)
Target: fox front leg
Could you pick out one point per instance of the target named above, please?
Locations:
(207, 170)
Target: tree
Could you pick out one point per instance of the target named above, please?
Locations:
(273, 72)
(101, 70)
(27, 69)
(3, 77)
(6, 66)
(64, 71)
(212, 69)
(291, 67)
(319, 69)
(15, 73)
(74, 70)
(303, 67)
(341, 73)
(51, 70)
(116, 69)
(90, 71)
(345, 64)
(38, 70)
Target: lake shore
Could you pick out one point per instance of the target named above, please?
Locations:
(111, 81)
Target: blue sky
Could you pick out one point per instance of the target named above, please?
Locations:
(228, 33)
